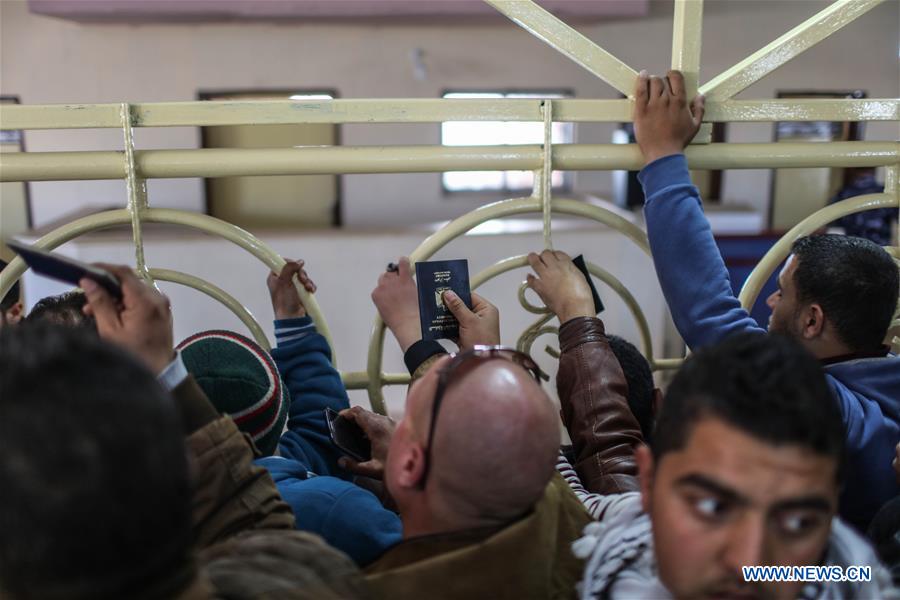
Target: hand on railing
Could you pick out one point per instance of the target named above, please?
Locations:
(141, 322)
(664, 121)
(560, 285)
(479, 326)
(397, 302)
(286, 301)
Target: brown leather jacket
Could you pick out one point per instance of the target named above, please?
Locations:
(593, 398)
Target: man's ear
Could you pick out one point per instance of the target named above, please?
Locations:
(646, 470)
(411, 466)
(15, 313)
(813, 321)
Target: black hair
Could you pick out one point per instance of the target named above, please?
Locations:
(767, 386)
(65, 309)
(640, 383)
(96, 495)
(12, 296)
(855, 281)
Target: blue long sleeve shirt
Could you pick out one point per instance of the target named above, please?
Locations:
(307, 475)
(697, 288)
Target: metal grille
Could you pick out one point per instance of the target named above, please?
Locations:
(136, 166)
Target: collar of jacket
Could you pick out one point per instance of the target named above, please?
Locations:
(529, 558)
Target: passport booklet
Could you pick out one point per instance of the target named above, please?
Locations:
(433, 278)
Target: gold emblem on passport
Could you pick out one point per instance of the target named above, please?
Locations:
(439, 298)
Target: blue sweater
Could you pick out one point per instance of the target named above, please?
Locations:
(323, 498)
(696, 286)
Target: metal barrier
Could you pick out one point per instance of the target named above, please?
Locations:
(135, 166)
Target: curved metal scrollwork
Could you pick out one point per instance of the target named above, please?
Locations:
(507, 208)
(204, 223)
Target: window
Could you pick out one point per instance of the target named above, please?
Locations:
(236, 199)
(490, 133)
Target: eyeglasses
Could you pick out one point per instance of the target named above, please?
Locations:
(456, 361)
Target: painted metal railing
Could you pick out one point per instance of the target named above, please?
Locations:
(136, 166)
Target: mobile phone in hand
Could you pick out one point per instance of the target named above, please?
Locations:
(348, 436)
(62, 268)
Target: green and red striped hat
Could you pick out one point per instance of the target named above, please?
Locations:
(242, 381)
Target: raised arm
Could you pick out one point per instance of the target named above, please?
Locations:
(303, 358)
(593, 394)
(397, 302)
(230, 494)
(690, 268)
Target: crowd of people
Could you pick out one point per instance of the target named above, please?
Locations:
(132, 467)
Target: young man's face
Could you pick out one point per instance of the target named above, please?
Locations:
(784, 303)
(728, 500)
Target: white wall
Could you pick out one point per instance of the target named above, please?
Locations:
(48, 60)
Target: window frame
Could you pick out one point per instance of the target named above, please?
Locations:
(568, 184)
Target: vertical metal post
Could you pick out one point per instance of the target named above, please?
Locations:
(892, 187)
(687, 33)
(137, 194)
(687, 29)
(547, 172)
(892, 181)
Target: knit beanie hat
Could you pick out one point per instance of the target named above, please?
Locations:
(242, 381)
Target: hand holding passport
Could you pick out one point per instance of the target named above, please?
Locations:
(435, 278)
(564, 285)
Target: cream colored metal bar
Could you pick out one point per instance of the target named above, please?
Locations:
(17, 267)
(687, 29)
(359, 380)
(402, 110)
(567, 41)
(136, 189)
(665, 364)
(155, 164)
(216, 293)
(373, 366)
(518, 206)
(892, 187)
(892, 182)
(527, 305)
(284, 112)
(797, 40)
(210, 225)
(547, 174)
(820, 218)
(876, 109)
(533, 332)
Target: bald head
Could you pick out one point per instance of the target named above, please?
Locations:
(496, 441)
